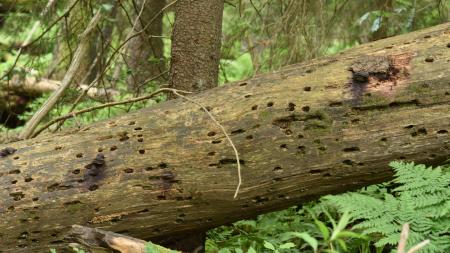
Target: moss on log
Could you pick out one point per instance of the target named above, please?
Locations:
(326, 126)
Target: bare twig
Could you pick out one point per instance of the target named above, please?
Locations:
(67, 80)
(226, 135)
(404, 238)
(133, 100)
(118, 50)
(28, 43)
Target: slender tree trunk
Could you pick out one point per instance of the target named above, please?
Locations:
(145, 52)
(302, 132)
(194, 66)
(196, 44)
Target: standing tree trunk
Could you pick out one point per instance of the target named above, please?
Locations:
(145, 55)
(302, 132)
(196, 41)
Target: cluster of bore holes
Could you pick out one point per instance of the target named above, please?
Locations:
(17, 195)
(420, 131)
(291, 107)
(140, 138)
(58, 186)
(260, 200)
(161, 165)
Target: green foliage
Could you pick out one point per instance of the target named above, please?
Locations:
(421, 197)
(290, 230)
(363, 221)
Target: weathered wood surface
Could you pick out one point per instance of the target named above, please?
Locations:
(94, 239)
(301, 132)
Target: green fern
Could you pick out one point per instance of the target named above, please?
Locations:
(421, 198)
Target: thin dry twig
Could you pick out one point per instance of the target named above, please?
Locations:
(404, 238)
(226, 135)
(73, 114)
(65, 83)
(28, 41)
(118, 50)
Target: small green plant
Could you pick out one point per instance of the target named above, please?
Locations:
(369, 220)
(290, 230)
(421, 197)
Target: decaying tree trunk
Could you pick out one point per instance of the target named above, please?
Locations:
(326, 126)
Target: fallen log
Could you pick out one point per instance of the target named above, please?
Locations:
(32, 86)
(326, 126)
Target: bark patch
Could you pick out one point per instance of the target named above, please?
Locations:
(7, 151)
(382, 74)
(95, 172)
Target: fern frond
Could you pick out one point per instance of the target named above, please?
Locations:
(422, 199)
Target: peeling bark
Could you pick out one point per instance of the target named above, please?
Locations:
(301, 132)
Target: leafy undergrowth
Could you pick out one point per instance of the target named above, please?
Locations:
(369, 220)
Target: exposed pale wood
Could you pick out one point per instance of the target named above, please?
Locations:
(33, 86)
(302, 132)
(97, 238)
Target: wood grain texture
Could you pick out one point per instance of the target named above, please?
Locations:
(302, 132)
